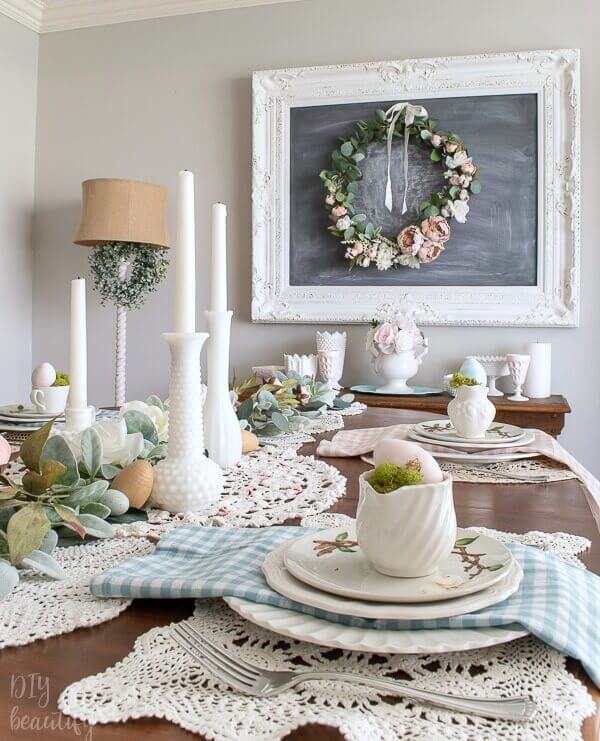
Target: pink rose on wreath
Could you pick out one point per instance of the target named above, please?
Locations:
(384, 338)
(337, 212)
(330, 200)
(436, 229)
(430, 251)
(469, 169)
(410, 239)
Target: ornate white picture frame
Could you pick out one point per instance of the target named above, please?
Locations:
(552, 75)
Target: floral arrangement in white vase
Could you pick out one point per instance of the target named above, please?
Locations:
(397, 347)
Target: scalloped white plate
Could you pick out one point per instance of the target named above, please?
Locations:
(303, 627)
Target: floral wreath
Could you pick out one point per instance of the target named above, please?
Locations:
(424, 240)
(147, 267)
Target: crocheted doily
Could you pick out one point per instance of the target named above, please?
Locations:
(158, 679)
(39, 607)
(333, 420)
(551, 470)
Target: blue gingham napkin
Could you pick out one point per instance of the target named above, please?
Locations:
(557, 602)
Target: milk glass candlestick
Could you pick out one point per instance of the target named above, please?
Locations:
(78, 414)
(223, 432)
(185, 256)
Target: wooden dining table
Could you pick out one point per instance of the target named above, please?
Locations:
(59, 661)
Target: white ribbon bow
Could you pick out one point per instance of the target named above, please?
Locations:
(391, 116)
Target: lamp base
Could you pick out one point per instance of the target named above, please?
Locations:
(186, 485)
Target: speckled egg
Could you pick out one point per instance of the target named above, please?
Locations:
(400, 452)
(116, 501)
(44, 375)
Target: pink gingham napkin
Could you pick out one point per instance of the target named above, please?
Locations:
(350, 443)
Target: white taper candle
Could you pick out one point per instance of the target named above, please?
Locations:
(78, 346)
(185, 256)
(218, 283)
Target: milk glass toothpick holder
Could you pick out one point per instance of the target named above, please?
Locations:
(186, 480)
(222, 428)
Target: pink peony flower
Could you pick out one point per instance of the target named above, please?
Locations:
(455, 180)
(403, 341)
(338, 211)
(410, 239)
(330, 200)
(430, 251)
(436, 229)
(384, 338)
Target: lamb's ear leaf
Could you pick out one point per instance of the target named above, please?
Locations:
(91, 450)
(57, 449)
(31, 449)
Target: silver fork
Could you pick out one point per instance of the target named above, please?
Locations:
(252, 680)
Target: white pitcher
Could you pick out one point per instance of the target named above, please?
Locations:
(397, 368)
(471, 412)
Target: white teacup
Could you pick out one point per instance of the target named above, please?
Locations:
(50, 399)
(408, 532)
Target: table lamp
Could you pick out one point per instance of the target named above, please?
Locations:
(125, 222)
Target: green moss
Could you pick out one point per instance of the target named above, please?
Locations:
(62, 379)
(388, 477)
(459, 380)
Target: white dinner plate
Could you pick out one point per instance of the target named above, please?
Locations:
(28, 421)
(27, 427)
(413, 391)
(303, 627)
(451, 444)
(443, 429)
(332, 561)
(279, 579)
(19, 411)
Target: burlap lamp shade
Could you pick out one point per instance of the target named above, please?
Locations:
(115, 210)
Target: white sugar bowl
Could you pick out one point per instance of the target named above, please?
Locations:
(408, 532)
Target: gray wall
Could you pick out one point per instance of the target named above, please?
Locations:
(145, 99)
(18, 84)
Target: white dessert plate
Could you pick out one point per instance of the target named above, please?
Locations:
(332, 561)
(13, 427)
(473, 459)
(528, 438)
(28, 420)
(443, 429)
(20, 411)
(283, 582)
(303, 627)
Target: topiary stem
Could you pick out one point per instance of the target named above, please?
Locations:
(121, 345)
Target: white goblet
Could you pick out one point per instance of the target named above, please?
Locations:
(517, 367)
(330, 366)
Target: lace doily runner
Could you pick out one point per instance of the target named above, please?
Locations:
(39, 607)
(333, 420)
(158, 679)
(551, 470)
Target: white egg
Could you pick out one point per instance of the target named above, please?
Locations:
(400, 452)
(44, 375)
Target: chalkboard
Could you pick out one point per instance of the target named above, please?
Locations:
(498, 244)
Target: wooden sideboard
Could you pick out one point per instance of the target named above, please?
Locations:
(543, 414)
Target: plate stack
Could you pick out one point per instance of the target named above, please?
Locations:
(18, 421)
(327, 571)
(502, 442)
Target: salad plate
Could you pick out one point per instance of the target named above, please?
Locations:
(527, 439)
(443, 429)
(304, 627)
(280, 579)
(332, 561)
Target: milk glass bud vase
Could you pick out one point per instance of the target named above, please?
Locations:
(186, 481)
(223, 432)
(471, 412)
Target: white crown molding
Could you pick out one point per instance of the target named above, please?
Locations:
(27, 12)
(46, 16)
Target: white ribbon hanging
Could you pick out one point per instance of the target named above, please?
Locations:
(391, 116)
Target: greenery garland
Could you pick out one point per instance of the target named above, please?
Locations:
(422, 241)
(147, 268)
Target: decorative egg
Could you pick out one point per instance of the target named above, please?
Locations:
(44, 375)
(249, 442)
(400, 452)
(116, 502)
(135, 481)
(5, 451)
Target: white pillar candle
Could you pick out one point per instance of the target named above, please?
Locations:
(218, 283)
(185, 256)
(78, 347)
(539, 376)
